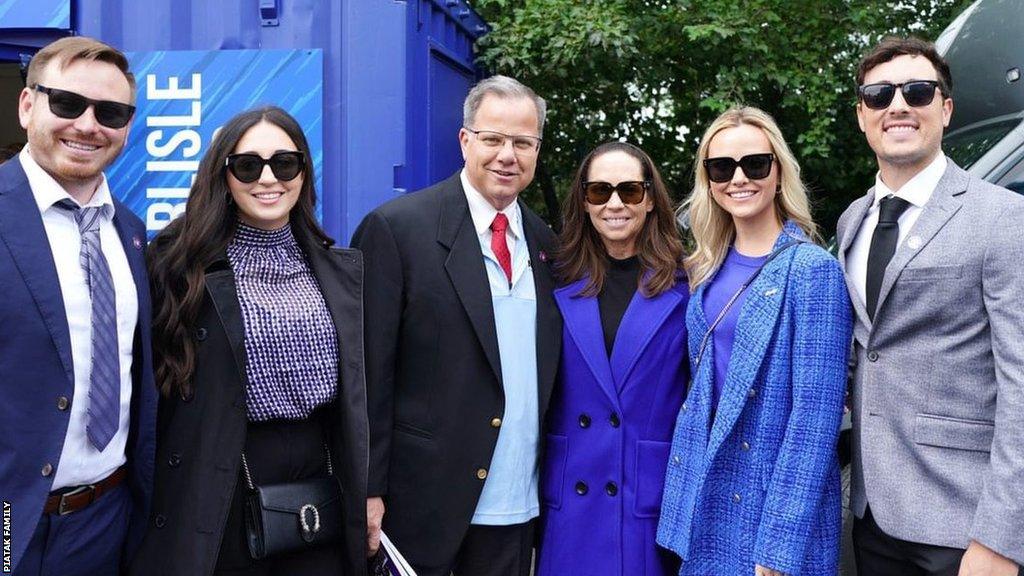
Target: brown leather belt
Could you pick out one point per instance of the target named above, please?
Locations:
(81, 497)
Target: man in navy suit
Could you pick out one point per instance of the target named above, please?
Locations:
(78, 415)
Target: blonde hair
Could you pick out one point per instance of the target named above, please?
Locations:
(712, 227)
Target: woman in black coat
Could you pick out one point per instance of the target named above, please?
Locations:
(258, 344)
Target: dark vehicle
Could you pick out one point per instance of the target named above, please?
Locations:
(986, 57)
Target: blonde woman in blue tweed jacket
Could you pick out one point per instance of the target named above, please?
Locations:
(752, 486)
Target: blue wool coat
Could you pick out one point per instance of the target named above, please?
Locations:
(758, 482)
(610, 425)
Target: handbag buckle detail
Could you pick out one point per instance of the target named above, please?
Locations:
(307, 532)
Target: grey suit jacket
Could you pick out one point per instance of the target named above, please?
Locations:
(938, 396)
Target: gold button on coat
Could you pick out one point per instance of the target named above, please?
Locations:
(495, 422)
(481, 473)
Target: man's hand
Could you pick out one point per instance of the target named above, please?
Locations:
(374, 518)
(980, 560)
(762, 571)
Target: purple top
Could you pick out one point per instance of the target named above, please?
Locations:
(290, 343)
(730, 276)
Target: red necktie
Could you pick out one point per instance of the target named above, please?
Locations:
(499, 246)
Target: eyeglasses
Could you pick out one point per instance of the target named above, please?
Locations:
(520, 143)
(915, 93)
(755, 167)
(248, 167)
(631, 192)
(69, 105)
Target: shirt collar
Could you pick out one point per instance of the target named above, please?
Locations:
(918, 190)
(483, 212)
(48, 191)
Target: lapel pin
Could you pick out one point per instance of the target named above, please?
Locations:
(914, 242)
(137, 242)
(771, 292)
(543, 256)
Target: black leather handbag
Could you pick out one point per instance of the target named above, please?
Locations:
(294, 516)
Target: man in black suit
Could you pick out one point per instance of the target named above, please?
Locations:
(462, 344)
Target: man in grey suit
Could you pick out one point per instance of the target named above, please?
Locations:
(933, 260)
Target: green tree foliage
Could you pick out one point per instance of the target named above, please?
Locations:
(657, 72)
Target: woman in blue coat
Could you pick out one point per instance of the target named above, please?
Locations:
(623, 371)
(752, 486)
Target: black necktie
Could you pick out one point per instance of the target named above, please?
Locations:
(883, 246)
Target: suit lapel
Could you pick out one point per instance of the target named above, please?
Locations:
(758, 318)
(859, 211)
(326, 266)
(643, 318)
(133, 246)
(220, 284)
(583, 323)
(549, 330)
(696, 327)
(21, 229)
(465, 269)
(937, 211)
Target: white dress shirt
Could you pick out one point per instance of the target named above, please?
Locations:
(918, 190)
(80, 462)
(483, 213)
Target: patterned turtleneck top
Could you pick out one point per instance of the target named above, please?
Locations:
(290, 342)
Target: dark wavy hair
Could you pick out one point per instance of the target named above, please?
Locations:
(180, 254)
(893, 46)
(581, 251)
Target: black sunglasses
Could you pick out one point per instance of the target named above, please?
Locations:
(631, 192)
(248, 167)
(755, 166)
(69, 105)
(915, 93)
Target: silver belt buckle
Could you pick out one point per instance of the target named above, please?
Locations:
(62, 507)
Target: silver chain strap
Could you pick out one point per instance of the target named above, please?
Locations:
(248, 475)
(735, 296)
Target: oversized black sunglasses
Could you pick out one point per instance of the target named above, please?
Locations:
(915, 93)
(755, 166)
(631, 192)
(247, 167)
(69, 105)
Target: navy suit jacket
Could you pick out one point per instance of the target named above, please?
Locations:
(36, 366)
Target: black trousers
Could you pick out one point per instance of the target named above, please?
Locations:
(277, 451)
(492, 551)
(879, 554)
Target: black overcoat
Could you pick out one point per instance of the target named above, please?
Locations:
(200, 438)
(432, 363)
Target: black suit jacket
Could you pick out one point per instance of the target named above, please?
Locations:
(432, 364)
(200, 438)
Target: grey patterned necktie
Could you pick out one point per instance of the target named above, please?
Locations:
(105, 379)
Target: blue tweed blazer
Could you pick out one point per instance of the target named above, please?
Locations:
(758, 481)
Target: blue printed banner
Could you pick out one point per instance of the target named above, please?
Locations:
(35, 14)
(185, 96)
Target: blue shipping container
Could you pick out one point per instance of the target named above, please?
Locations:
(395, 73)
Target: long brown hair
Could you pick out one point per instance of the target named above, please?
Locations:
(181, 253)
(581, 252)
